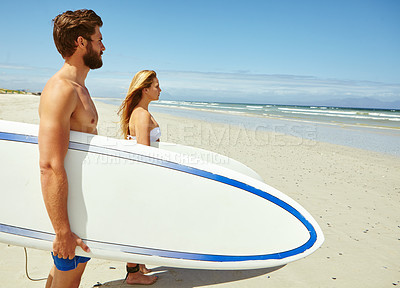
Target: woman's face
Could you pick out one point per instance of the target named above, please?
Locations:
(153, 92)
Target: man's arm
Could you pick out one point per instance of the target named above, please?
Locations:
(57, 104)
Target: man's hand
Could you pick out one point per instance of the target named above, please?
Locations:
(65, 243)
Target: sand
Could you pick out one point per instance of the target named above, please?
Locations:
(354, 195)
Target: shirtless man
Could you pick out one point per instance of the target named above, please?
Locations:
(65, 104)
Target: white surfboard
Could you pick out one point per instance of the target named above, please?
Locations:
(151, 205)
(200, 155)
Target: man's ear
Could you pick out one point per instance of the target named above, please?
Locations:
(81, 42)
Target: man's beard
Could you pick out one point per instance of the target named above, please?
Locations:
(92, 59)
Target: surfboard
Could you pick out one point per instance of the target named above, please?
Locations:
(197, 154)
(161, 205)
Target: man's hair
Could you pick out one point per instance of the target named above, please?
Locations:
(69, 25)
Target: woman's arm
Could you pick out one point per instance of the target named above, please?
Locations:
(143, 125)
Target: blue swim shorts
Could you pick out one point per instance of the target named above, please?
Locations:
(67, 264)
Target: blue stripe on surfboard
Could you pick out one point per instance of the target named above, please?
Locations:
(34, 234)
(182, 168)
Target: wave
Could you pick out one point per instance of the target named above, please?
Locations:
(351, 114)
(345, 116)
(364, 117)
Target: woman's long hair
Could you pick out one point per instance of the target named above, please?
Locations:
(142, 79)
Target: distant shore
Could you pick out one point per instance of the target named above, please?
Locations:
(23, 92)
(354, 195)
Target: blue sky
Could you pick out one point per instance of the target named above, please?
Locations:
(219, 50)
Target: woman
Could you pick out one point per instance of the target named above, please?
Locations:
(138, 124)
(136, 120)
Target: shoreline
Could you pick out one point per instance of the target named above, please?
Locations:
(353, 194)
(383, 140)
(386, 141)
(265, 116)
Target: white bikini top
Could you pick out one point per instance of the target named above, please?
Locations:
(155, 134)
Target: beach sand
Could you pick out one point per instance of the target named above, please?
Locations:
(353, 194)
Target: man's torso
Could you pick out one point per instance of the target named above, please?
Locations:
(84, 117)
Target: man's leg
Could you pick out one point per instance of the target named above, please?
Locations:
(50, 277)
(65, 279)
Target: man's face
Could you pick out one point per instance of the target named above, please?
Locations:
(95, 48)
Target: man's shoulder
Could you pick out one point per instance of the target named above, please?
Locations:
(59, 94)
(59, 87)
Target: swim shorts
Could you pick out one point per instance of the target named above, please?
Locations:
(68, 264)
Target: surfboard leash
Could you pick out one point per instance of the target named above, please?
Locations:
(26, 268)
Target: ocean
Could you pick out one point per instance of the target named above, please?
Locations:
(328, 115)
(371, 129)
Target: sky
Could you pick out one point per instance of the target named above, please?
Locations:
(286, 52)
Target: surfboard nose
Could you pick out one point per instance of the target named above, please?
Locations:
(199, 214)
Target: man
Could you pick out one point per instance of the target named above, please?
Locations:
(66, 105)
